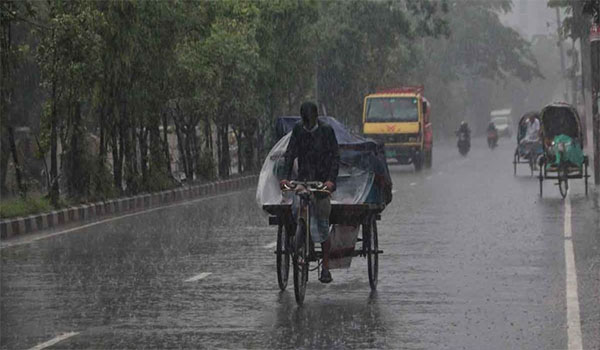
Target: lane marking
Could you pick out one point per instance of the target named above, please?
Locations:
(271, 245)
(573, 318)
(54, 341)
(413, 183)
(54, 234)
(198, 277)
(394, 191)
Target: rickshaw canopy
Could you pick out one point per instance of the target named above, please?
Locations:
(560, 119)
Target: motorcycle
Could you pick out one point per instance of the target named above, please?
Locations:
(464, 142)
(492, 139)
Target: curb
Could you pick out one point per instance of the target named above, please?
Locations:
(95, 211)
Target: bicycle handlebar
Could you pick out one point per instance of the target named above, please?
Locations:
(312, 186)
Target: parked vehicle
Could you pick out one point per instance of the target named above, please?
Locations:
(400, 118)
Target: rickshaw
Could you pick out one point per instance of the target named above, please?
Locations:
(562, 141)
(527, 152)
(363, 191)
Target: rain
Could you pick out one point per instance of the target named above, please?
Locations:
(300, 174)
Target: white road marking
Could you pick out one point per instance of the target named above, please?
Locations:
(394, 191)
(573, 318)
(54, 341)
(413, 183)
(271, 245)
(198, 277)
(44, 236)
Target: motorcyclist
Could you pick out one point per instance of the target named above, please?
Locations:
(464, 128)
(314, 144)
(492, 133)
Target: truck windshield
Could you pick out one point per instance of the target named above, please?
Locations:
(392, 109)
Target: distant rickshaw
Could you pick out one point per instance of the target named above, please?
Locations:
(527, 152)
(562, 141)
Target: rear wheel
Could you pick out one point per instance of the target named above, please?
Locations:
(418, 162)
(372, 252)
(585, 176)
(428, 159)
(283, 256)
(541, 176)
(563, 180)
(300, 260)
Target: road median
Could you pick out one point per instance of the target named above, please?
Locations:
(86, 213)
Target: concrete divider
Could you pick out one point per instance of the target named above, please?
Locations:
(89, 212)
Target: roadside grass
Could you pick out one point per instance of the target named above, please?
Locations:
(15, 207)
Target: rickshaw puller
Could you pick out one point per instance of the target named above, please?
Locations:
(313, 142)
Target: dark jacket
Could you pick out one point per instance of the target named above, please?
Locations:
(317, 152)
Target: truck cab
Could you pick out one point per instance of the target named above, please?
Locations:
(400, 118)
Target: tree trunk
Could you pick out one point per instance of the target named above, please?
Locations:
(54, 189)
(224, 159)
(180, 148)
(238, 138)
(13, 150)
(4, 156)
(166, 145)
(143, 144)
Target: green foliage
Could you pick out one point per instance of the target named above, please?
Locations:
(23, 206)
(114, 72)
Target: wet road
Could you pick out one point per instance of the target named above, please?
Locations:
(474, 259)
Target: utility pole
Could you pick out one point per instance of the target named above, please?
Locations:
(595, 48)
(562, 55)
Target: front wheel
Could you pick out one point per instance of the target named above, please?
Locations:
(563, 180)
(283, 256)
(372, 250)
(300, 262)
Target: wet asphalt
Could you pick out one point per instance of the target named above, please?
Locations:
(473, 259)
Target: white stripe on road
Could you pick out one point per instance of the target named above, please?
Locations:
(44, 236)
(271, 245)
(394, 191)
(413, 183)
(54, 341)
(573, 320)
(198, 277)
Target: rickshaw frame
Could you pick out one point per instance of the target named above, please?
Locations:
(363, 214)
(519, 157)
(565, 170)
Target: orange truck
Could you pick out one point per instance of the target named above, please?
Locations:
(399, 118)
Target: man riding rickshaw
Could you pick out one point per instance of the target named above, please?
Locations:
(529, 147)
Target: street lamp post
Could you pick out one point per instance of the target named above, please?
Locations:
(595, 50)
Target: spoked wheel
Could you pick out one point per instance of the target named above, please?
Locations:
(300, 259)
(371, 248)
(563, 180)
(372, 252)
(531, 162)
(585, 175)
(542, 164)
(283, 256)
